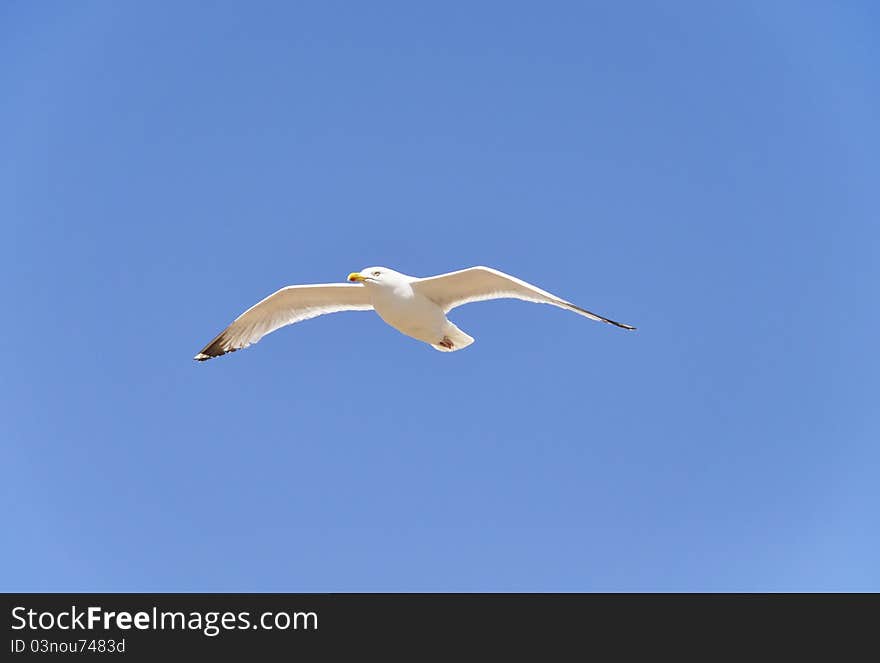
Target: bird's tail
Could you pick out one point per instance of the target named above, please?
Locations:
(453, 339)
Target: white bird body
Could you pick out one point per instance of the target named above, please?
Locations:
(413, 314)
(416, 307)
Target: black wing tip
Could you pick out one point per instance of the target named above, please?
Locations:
(208, 353)
(214, 349)
(595, 316)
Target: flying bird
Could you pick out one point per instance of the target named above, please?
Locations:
(416, 307)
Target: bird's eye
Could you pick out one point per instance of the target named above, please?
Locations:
(376, 273)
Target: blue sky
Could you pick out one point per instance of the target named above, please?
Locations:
(707, 173)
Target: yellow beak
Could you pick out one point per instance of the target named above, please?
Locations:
(357, 276)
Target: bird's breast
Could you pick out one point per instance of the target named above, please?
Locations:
(409, 313)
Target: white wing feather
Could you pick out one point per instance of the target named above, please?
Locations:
(477, 284)
(292, 304)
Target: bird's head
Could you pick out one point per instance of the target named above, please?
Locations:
(381, 276)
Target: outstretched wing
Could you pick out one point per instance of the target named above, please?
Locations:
(481, 283)
(292, 304)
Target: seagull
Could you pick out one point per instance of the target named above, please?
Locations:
(416, 307)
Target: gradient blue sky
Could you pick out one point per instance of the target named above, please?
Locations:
(705, 171)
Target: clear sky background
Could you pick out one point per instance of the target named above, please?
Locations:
(705, 171)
